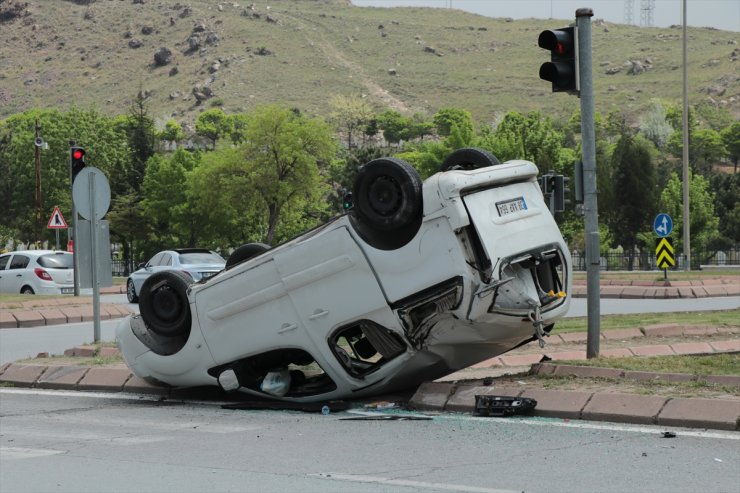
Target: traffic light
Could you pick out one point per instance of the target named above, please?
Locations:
(562, 69)
(347, 203)
(560, 192)
(77, 156)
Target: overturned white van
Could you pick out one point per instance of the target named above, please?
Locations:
(418, 280)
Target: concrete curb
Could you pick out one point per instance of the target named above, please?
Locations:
(14, 318)
(625, 289)
(719, 414)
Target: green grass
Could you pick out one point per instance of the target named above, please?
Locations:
(720, 318)
(715, 364)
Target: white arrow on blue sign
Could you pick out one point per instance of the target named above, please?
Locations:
(663, 225)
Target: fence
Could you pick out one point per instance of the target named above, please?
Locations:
(646, 261)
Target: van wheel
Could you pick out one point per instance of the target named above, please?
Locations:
(27, 290)
(469, 158)
(163, 303)
(245, 252)
(388, 203)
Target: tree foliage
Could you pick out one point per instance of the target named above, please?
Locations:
(704, 223)
(213, 124)
(634, 178)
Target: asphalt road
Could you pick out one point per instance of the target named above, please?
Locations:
(78, 442)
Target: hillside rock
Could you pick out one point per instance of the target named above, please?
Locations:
(162, 57)
(135, 43)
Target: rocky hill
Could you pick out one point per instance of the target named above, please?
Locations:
(194, 54)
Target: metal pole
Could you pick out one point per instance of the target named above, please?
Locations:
(75, 257)
(686, 218)
(591, 216)
(93, 260)
(39, 197)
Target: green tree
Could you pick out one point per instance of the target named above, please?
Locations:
(213, 124)
(731, 139)
(166, 203)
(142, 139)
(237, 127)
(350, 114)
(532, 137)
(727, 207)
(654, 125)
(634, 180)
(704, 223)
(447, 118)
(286, 154)
(395, 126)
(107, 149)
(172, 132)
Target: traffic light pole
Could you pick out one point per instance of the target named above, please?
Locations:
(75, 257)
(591, 216)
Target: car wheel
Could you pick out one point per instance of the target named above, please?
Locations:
(245, 252)
(163, 303)
(131, 292)
(388, 203)
(469, 158)
(27, 290)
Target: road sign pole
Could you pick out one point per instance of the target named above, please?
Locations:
(75, 257)
(94, 222)
(590, 207)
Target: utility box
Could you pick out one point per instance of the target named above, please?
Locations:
(83, 245)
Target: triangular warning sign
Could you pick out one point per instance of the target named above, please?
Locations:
(56, 221)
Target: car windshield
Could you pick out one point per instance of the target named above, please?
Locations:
(201, 258)
(56, 261)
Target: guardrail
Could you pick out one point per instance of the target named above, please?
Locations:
(646, 261)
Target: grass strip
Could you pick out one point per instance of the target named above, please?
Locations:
(719, 318)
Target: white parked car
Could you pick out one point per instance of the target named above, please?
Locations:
(417, 281)
(37, 272)
(197, 263)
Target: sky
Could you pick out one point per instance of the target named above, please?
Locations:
(721, 14)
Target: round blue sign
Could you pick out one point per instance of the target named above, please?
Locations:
(663, 225)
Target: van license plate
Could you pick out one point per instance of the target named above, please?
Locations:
(68, 290)
(511, 206)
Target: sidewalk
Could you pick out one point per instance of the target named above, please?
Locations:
(706, 288)
(40, 310)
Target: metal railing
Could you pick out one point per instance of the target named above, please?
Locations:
(644, 261)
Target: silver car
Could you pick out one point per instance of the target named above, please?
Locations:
(37, 272)
(196, 263)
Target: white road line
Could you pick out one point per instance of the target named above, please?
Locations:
(14, 453)
(121, 396)
(593, 425)
(355, 478)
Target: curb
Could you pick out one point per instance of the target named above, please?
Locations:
(15, 319)
(715, 414)
(623, 289)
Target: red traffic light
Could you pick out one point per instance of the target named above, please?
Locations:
(78, 154)
(562, 69)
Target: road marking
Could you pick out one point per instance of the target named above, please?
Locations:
(121, 396)
(356, 478)
(592, 425)
(14, 453)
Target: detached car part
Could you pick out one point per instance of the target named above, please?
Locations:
(416, 281)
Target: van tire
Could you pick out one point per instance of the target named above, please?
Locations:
(164, 305)
(245, 252)
(388, 208)
(469, 158)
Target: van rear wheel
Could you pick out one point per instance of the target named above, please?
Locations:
(388, 203)
(164, 305)
(469, 158)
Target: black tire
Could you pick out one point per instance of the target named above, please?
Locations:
(469, 158)
(27, 290)
(163, 303)
(131, 292)
(388, 203)
(245, 252)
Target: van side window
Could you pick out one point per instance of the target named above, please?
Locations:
(4, 262)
